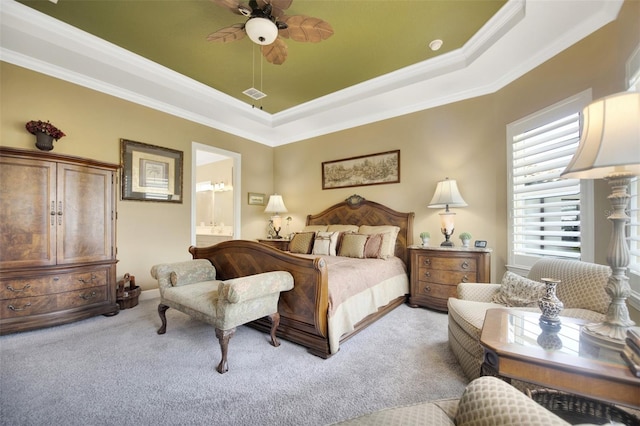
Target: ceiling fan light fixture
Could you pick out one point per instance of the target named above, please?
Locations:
(261, 30)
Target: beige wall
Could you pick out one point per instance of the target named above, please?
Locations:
(464, 141)
(148, 233)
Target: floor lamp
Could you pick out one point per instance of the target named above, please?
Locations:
(609, 148)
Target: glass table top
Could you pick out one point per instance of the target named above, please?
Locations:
(524, 329)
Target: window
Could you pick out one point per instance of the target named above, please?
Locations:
(633, 229)
(547, 214)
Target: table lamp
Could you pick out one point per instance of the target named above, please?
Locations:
(446, 195)
(276, 206)
(609, 148)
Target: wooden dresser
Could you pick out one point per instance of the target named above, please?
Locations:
(436, 272)
(57, 239)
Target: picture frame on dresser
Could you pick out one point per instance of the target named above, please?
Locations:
(150, 172)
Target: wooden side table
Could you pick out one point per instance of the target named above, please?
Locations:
(280, 244)
(437, 271)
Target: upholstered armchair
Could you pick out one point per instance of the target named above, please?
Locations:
(191, 287)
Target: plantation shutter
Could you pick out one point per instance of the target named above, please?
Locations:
(634, 226)
(546, 208)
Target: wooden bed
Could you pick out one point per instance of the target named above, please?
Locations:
(303, 310)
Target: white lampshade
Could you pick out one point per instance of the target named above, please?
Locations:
(447, 195)
(275, 205)
(261, 30)
(609, 138)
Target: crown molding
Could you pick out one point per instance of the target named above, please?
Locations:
(503, 50)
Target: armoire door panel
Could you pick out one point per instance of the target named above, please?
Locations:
(27, 226)
(84, 213)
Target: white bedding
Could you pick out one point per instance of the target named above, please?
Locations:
(358, 288)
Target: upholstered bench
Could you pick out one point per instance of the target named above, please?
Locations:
(191, 287)
(485, 401)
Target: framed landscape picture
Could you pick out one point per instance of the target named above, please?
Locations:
(150, 173)
(372, 169)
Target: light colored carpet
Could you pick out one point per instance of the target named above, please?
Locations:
(118, 371)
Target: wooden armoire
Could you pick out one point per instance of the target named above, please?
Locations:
(57, 239)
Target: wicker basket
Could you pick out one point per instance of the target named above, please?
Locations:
(577, 409)
(129, 299)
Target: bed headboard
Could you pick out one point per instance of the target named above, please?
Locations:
(355, 210)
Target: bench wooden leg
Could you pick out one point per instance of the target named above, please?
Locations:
(223, 337)
(163, 317)
(275, 321)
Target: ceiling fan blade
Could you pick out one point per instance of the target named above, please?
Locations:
(232, 5)
(306, 28)
(276, 52)
(277, 6)
(228, 34)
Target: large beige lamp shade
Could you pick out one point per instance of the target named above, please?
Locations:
(447, 195)
(609, 148)
(276, 206)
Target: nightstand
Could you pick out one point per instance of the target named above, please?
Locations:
(437, 271)
(280, 244)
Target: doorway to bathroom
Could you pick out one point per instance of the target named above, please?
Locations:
(215, 200)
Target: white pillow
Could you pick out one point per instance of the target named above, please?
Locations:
(314, 228)
(325, 243)
(342, 228)
(389, 236)
(518, 291)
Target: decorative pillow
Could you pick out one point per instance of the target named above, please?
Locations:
(192, 275)
(342, 228)
(390, 234)
(373, 246)
(352, 245)
(519, 291)
(302, 242)
(314, 228)
(325, 243)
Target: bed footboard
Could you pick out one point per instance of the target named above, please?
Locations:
(303, 310)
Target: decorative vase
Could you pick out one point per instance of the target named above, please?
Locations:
(550, 340)
(44, 142)
(465, 243)
(550, 305)
(425, 241)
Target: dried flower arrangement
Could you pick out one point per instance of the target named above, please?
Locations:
(45, 127)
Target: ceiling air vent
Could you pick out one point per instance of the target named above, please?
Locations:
(254, 93)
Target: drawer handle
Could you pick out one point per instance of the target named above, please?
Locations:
(19, 291)
(465, 279)
(465, 264)
(13, 308)
(83, 281)
(92, 295)
(427, 261)
(427, 289)
(427, 274)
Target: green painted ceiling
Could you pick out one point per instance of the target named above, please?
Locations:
(371, 38)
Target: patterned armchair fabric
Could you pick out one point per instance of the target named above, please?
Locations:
(486, 401)
(582, 290)
(191, 287)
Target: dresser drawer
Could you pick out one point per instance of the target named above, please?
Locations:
(446, 277)
(433, 290)
(447, 263)
(51, 284)
(25, 306)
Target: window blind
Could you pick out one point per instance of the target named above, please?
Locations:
(546, 208)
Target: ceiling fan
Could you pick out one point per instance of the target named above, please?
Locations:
(268, 24)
